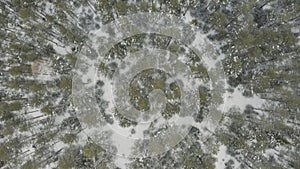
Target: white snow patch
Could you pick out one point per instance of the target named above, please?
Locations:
(188, 17)
(236, 99)
(223, 157)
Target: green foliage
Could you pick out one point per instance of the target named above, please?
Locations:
(18, 70)
(192, 155)
(101, 165)
(175, 6)
(144, 6)
(65, 83)
(224, 138)
(218, 20)
(103, 4)
(29, 56)
(8, 107)
(296, 159)
(43, 138)
(154, 8)
(61, 5)
(204, 96)
(69, 157)
(143, 104)
(91, 150)
(5, 152)
(106, 9)
(37, 87)
(140, 102)
(71, 58)
(252, 53)
(25, 13)
(48, 109)
(123, 121)
(158, 84)
(30, 165)
(133, 8)
(25, 126)
(50, 18)
(245, 40)
(15, 106)
(103, 68)
(199, 70)
(36, 100)
(121, 7)
(8, 129)
(195, 22)
(69, 138)
(70, 35)
(174, 47)
(237, 122)
(170, 110)
(176, 91)
(6, 115)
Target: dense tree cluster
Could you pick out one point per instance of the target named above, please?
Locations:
(188, 153)
(260, 43)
